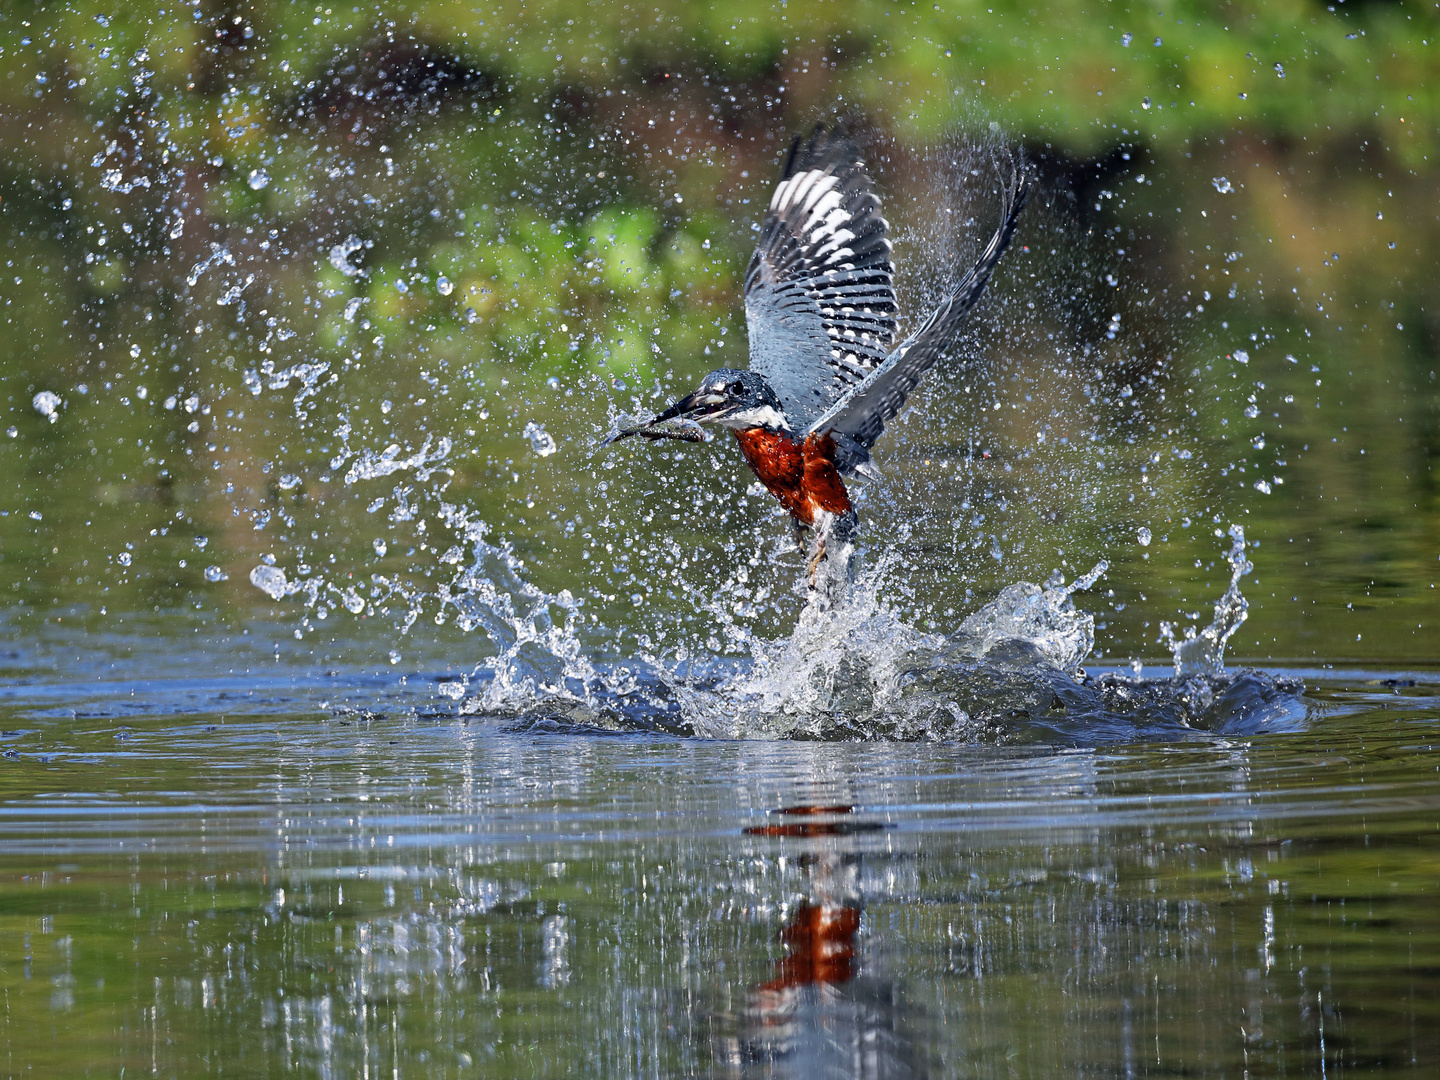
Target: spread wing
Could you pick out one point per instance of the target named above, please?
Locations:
(819, 295)
(858, 417)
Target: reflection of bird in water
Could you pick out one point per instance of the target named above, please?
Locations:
(820, 303)
(818, 1016)
(820, 947)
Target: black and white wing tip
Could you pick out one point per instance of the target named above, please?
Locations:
(856, 420)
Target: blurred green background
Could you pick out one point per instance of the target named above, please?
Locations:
(249, 247)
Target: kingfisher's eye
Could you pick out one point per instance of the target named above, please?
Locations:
(735, 389)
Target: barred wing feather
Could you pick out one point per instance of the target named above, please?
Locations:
(819, 291)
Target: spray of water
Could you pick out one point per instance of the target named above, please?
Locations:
(1203, 652)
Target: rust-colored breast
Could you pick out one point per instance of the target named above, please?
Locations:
(823, 486)
(776, 461)
(803, 478)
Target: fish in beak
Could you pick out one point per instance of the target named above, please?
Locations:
(681, 420)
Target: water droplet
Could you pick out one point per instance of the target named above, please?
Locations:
(445, 285)
(259, 179)
(1126, 38)
(1252, 411)
(201, 542)
(214, 573)
(1158, 43)
(340, 256)
(1258, 442)
(135, 352)
(386, 406)
(541, 441)
(379, 546)
(123, 558)
(394, 656)
(12, 431)
(46, 403)
(1145, 103)
(1222, 185)
(289, 482)
(1262, 486)
(1279, 70)
(270, 580)
(353, 601)
(471, 315)
(1142, 534)
(401, 285)
(1241, 356)
(352, 307)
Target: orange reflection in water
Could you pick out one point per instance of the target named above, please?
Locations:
(819, 936)
(820, 944)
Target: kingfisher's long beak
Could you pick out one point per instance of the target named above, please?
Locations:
(698, 407)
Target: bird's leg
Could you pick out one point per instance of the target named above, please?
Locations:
(834, 544)
(798, 531)
(817, 555)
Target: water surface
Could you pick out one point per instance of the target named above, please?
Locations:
(278, 871)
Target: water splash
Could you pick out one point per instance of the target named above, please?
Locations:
(47, 404)
(271, 581)
(1203, 653)
(854, 669)
(1044, 622)
(845, 658)
(539, 657)
(345, 251)
(424, 462)
(219, 255)
(541, 441)
(308, 375)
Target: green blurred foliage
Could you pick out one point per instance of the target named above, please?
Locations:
(1074, 72)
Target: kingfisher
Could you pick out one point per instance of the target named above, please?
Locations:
(825, 376)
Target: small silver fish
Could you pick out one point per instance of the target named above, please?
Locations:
(683, 430)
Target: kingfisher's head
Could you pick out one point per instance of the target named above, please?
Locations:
(735, 399)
